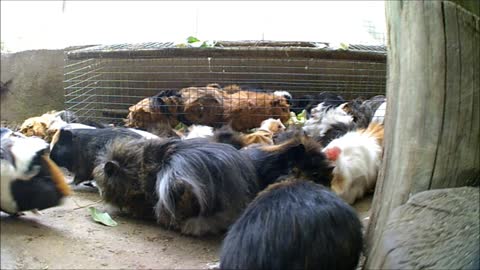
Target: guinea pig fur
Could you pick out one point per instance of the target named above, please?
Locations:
(77, 149)
(298, 156)
(29, 179)
(194, 186)
(294, 224)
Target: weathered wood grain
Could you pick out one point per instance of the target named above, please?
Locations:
(432, 134)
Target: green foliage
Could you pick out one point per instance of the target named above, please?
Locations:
(193, 42)
(191, 39)
(297, 119)
(344, 46)
(181, 126)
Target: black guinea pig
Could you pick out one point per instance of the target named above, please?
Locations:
(77, 149)
(294, 224)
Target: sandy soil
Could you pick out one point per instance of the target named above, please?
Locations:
(66, 237)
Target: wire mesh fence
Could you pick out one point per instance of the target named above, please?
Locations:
(103, 82)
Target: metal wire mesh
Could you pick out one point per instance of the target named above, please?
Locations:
(101, 86)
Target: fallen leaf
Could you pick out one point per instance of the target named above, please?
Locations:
(103, 218)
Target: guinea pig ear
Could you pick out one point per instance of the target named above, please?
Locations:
(297, 151)
(44, 126)
(333, 153)
(66, 135)
(276, 102)
(111, 167)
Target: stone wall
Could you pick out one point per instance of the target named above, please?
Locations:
(37, 83)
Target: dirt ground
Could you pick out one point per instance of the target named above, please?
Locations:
(66, 237)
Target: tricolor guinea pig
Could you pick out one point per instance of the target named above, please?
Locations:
(29, 179)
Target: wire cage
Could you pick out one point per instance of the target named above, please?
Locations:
(103, 82)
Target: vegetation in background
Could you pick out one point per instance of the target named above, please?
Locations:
(297, 119)
(193, 42)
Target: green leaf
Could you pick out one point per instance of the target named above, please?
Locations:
(344, 46)
(181, 126)
(293, 119)
(191, 39)
(297, 119)
(302, 117)
(103, 218)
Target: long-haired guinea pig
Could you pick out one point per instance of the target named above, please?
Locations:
(294, 224)
(194, 186)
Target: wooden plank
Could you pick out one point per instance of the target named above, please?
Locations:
(380, 205)
(468, 148)
(470, 5)
(447, 152)
(233, 52)
(456, 156)
(247, 43)
(432, 135)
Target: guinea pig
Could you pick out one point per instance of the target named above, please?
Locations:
(77, 149)
(29, 179)
(294, 224)
(298, 156)
(194, 186)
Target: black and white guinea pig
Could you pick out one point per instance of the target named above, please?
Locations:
(30, 180)
(77, 149)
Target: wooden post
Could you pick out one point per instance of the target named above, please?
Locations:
(432, 133)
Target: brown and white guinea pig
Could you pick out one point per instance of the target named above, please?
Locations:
(357, 157)
(247, 109)
(37, 126)
(264, 134)
(194, 186)
(294, 224)
(29, 179)
(47, 124)
(298, 156)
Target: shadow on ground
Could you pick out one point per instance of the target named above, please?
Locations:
(66, 237)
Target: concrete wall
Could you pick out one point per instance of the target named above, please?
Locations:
(37, 83)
